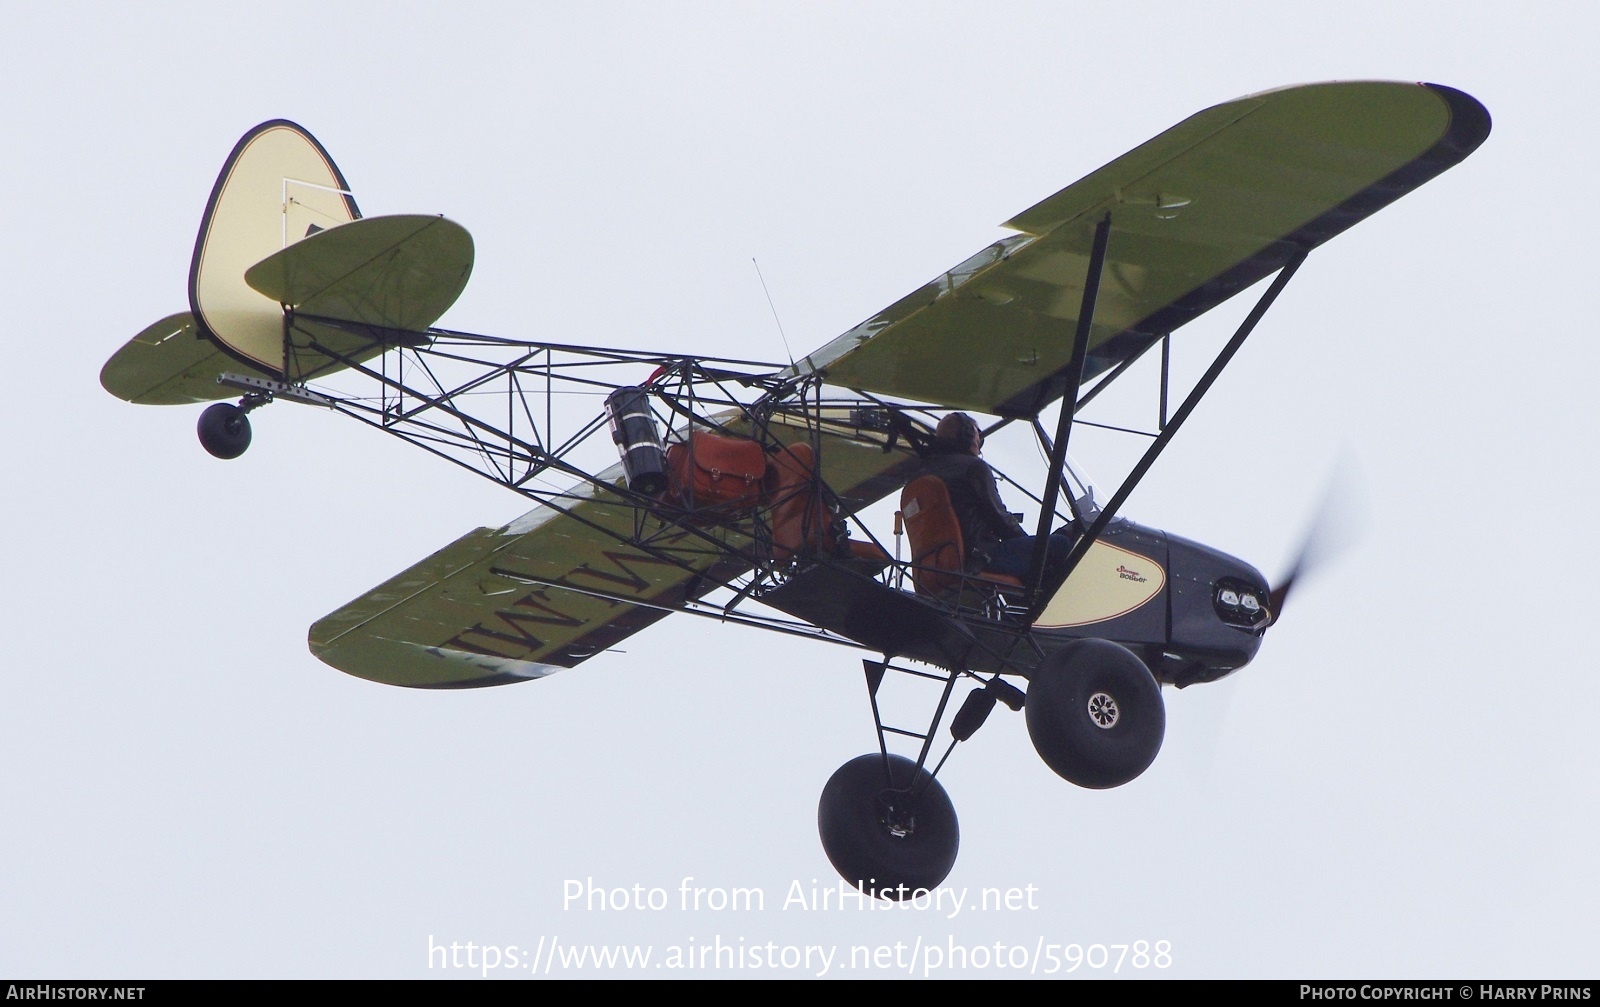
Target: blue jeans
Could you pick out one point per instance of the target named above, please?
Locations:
(1014, 557)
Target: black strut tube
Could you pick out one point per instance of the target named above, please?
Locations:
(1081, 547)
(1069, 399)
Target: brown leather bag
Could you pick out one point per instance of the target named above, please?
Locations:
(710, 470)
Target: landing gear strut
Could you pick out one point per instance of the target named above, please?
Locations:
(886, 823)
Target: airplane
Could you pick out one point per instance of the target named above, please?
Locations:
(740, 485)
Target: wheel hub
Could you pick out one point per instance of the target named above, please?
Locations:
(1103, 710)
(900, 822)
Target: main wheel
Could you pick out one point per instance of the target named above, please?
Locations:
(1095, 714)
(224, 430)
(890, 834)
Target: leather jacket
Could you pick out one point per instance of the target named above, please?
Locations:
(976, 500)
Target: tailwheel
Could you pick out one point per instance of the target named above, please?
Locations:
(888, 827)
(1095, 714)
(224, 430)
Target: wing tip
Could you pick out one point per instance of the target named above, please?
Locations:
(1470, 122)
(418, 666)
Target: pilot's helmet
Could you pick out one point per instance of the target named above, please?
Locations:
(960, 432)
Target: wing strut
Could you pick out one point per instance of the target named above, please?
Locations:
(1074, 375)
(1171, 427)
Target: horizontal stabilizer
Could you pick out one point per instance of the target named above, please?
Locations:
(398, 272)
(168, 364)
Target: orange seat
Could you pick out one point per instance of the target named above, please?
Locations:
(802, 523)
(938, 552)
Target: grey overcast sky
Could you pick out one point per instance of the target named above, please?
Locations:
(1402, 784)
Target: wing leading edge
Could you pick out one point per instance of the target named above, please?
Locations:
(1199, 213)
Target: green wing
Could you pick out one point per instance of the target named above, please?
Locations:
(481, 610)
(1198, 213)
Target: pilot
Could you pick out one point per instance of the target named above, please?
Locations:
(995, 540)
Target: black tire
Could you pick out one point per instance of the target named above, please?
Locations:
(1095, 714)
(224, 430)
(881, 839)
